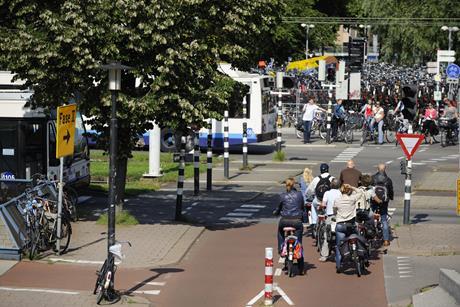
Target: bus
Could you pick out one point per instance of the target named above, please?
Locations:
(28, 139)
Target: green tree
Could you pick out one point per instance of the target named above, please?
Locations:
(408, 43)
(173, 46)
(288, 39)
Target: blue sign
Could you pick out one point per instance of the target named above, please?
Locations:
(453, 71)
(7, 175)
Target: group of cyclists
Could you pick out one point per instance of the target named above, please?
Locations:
(380, 116)
(335, 203)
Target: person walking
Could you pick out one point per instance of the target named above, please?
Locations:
(350, 175)
(379, 114)
(383, 191)
(429, 125)
(309, 111)
(337, 118)
(328, 203)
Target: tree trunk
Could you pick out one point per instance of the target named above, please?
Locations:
(120, 182)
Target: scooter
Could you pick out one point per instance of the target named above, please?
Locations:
(292, 251)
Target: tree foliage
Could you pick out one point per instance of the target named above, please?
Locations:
(408, 43)
(173, 47)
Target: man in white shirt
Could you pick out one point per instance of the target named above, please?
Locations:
(328, 203)
(309, 111)
(379, 114)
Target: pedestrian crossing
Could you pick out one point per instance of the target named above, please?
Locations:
(242, 213)
(347, 154)
(436, 160)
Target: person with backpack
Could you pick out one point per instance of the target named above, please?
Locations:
(383, 193)
(318, 187)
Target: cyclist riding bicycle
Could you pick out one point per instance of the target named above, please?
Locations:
(379, 114)
(339, 117)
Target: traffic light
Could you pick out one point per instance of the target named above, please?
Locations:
(356, 53)
(403, 167)
(409, 101)
(330, 74)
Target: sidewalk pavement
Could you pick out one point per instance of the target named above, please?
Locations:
(426, 240)
(69, 299)
(438, 181)
(427, 202)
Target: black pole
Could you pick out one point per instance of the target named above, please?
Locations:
(112, 188)
(196, 164)
(226, 145)
(279, 122)
(407, 192)
(180, 180)
(245, 134)
(209, 158)
(329, 116)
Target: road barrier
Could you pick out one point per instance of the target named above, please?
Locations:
(268, 276)
(196, 164)
(180, 180)
(209, 158)
(226, 156)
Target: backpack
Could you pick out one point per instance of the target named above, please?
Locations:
(381, 192)
(361, 203)
(324, 184)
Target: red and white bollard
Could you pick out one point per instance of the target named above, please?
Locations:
(268, 276)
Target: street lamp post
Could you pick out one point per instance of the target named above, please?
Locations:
(450, 29)
(114, 69)
(308, 27)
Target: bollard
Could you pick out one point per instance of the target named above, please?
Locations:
(226, 156)
(245, 134)
(279, 122)
(209, 158)
(268, 276)
(180, 180)
(329, 117)
(196, 164)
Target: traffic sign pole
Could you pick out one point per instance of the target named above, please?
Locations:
(407, 191)
(66, 117)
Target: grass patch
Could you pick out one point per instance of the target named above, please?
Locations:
(247, 168)
(121, 218)
(279, 156)
(138, 165)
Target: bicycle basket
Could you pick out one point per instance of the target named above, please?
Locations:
(116, 251)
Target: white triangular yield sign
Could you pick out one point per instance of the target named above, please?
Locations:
(409, 143)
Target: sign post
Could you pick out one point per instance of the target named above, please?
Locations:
(458, 197)
(409, 144)
(66, 117)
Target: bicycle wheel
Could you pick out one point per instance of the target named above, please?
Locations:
(363, 136)
(322, 131)
(66, 233)
(33, 243)
(70, 208)
(390, 136)
(348, 136)
(358, 267)
(100, 277)
(100, 293)
(443, 138)
(299, 134)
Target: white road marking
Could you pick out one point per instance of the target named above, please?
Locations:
(194, 204)
(389, 162)
(148, 292)
(422, 150)
(39, 290)
(278, 272)
(400, 158)
(427, 161)
(347, 154)
(152, 283)
(417, 163)
(439, 159)
(405, 272)
(233, 219)
(253, 206)
(256, 298)
(405, 276)
(284, 296)
(239, 214)
(247, 210)
(403, 257)
(78, 261)
(281, 260)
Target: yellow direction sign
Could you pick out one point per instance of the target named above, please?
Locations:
(66, 117)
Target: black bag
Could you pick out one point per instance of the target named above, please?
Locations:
(324, 185)
(381, 192)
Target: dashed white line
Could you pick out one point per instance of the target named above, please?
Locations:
(39, 290)
(253, 206)
(400, 158)
(439, 159)
(247, 210)
(278, 272)
(389, 162)
(148, 292)
(239, 214)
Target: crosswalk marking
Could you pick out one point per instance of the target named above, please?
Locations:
(253, 206)
(148, 292)
(239, 214)
(347, 154)
(246, 210)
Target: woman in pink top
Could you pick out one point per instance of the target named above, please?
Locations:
(429, 126)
